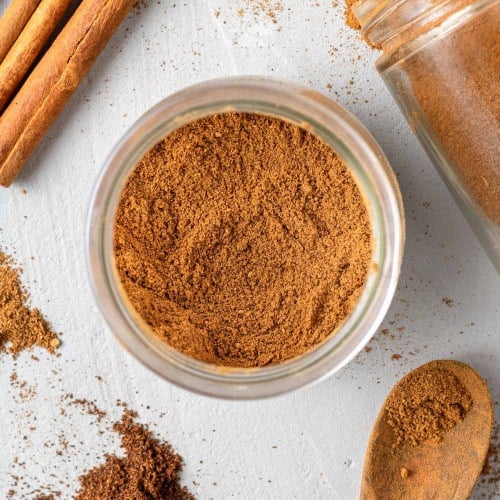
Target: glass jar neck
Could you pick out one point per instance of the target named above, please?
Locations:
(388, 24)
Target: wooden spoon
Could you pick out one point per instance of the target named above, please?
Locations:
(432, 470)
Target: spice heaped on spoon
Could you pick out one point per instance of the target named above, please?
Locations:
(431, 437)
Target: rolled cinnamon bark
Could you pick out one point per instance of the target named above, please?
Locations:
(13, 21)
(50, 85)
(30, 42)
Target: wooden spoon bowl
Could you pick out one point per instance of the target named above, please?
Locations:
(441, 470)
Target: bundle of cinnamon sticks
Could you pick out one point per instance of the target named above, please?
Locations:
(33, 94)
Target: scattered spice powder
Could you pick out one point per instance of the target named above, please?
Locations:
(426, 404)
(149, 470)
(447, 301)
(90, 406)
(24, 391)
(20, 327)
(268, 7)
(242, 240)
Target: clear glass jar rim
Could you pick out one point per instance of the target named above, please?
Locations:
(400, 38)
(346, 136)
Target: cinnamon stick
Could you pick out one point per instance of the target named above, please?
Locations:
(13, 21)
(52, 82)
(30, 42)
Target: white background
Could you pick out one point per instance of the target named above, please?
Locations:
(306, 445)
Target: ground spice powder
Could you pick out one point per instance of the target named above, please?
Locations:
(20, 327)
(456, 88)
(350, 18)
(456, 95)
(425, 405)
(148, 471)
(242, 240)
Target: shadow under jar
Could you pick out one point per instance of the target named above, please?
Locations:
(441, 62)
(335, 127)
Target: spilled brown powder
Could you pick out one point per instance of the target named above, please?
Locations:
(90, 407)
(148, 470)
(268, 7)
(242, 240)
(425, 405)
(20, 327)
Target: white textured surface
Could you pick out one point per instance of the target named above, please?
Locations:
(306, 445)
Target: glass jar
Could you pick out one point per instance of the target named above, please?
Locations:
(376, 181)
(441, 62)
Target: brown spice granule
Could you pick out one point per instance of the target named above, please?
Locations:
(20, 327)
(242, 240)
(149, 470)
(447, 301)
(425, 405)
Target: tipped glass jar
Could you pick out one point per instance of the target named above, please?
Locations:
(441, 62)
(373, 175)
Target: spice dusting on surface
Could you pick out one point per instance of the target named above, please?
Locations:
(149, 470)
(268, 7)
(20, 327)
(242, 240)
(90, 406)
(425, 405)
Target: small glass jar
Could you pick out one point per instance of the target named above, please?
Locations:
(441, 62)
(376, 181)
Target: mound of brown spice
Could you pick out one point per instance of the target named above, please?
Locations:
(20, 326)
(242, 240)
(426, 404)
(148, 470)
